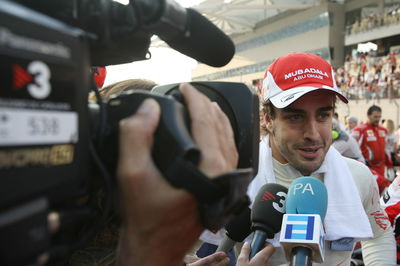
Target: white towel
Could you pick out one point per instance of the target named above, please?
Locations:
(345, 215)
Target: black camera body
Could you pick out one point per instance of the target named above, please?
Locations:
(43, 100)
(176, 154)
(44, 155)
(47, 129)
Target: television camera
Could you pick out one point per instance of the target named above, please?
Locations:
(58, 151)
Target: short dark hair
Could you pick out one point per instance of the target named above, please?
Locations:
(374, 108)
(266, 109)
(117, 88)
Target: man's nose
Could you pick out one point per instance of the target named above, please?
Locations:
(311, 129)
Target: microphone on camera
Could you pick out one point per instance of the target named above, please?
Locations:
(302, 234)
(187, 31)
(266, 215)
(237, 229)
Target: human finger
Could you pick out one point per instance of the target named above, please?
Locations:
(190, 259)
(215, 259)
(136, 139)
(205, 131)
(262, 257)
(225, 135)
(243, 258)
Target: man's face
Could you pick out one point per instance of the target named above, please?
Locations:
(301, 134)
(351, 124)
(374, 118)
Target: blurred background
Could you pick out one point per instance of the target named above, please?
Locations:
(360, 38)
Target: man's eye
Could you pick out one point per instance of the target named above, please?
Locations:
(324, 116)
(295, 117)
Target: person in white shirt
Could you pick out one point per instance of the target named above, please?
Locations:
(351, 122)
(391, 148)
(345, 143)
(391, 139)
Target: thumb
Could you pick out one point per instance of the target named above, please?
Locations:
(244, 253)
(136, 135)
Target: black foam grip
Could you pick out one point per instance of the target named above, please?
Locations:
(268, 208)
(239, 226)
(205, 41)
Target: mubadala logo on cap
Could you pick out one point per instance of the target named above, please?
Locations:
(290, 96)
(305, 71)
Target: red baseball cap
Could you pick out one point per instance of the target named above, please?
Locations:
(292, 76)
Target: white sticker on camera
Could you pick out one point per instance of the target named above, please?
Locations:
(36, 127)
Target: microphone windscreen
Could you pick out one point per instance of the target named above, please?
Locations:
(205, 41)
(239, 227)
(268, 208)
(307, 195)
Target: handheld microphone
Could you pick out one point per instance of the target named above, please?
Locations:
(302, 233)
(187, 31)
(237, 229)
(266, 214)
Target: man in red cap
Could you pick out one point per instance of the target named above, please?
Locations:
(299, 102)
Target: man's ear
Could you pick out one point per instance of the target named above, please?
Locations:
(268, 122)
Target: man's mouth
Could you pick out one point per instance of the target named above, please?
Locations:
(310, 152)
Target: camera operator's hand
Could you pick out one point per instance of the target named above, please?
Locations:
(212, 132)
(260, 259)
(160, 222)
(216, 259)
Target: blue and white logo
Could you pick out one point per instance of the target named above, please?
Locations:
(300, 227)
(304, 230)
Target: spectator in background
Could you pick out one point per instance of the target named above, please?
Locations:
(345, 143)
(351, 123)
(391, 147)
(256, 86)
(398, 138)
(391, 141)
(371, 137)
(369, 76)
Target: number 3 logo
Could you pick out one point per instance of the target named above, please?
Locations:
(41, 88)
(280, 207)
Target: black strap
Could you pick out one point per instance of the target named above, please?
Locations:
(184, 174)
(219, 197)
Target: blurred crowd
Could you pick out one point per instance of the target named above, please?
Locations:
(375, 20)
(367, 76)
